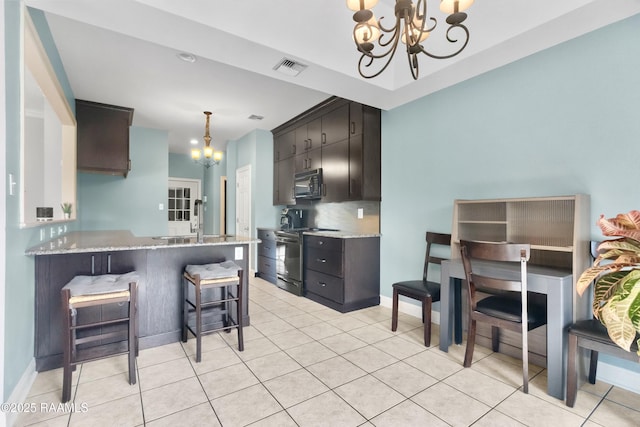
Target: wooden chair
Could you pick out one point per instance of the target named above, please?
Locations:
(508, 303)
(591, 335)
(83, 292)
(214, 293)
(423, 290)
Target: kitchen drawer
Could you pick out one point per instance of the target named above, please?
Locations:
(330, 243)
(323, 260)
(266, 235)
(266, 266)
(267, 249)
(326, 286)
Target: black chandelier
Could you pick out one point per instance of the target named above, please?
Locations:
(411, 28)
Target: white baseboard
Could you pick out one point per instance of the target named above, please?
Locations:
(20, 392)
(410, 309)
(619, 377)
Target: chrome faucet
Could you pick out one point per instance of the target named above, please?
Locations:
(199, 229)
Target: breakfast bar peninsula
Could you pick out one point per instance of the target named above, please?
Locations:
(159, 261)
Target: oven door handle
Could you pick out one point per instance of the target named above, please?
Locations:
(286, 240)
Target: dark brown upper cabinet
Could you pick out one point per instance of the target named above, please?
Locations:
(335, 125)
(340, 136)
(308, 136)
(284, 145)
(103, 138)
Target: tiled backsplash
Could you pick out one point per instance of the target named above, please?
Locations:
(343, 216)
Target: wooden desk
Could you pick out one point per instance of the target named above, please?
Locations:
(556, 284)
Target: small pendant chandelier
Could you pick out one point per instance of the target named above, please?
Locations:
(410, 27)
(206, 157)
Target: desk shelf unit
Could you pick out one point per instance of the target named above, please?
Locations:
(556, 227)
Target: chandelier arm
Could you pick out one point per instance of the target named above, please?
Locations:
(466, 41)
(391, 33)
(394, 38)
(389, 53)
(385, 29)
(413, 65)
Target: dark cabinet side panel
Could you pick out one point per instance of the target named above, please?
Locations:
(103, 137)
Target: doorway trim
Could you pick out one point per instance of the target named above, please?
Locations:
(239, 171)
(198, 184)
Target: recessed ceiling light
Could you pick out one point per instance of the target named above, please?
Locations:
(186, 57)
(194, 142)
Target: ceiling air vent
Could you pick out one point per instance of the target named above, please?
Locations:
(289, 67)
(255, 117)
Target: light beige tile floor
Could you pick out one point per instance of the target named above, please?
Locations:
(307, 365)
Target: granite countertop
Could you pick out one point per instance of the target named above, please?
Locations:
(123, 240)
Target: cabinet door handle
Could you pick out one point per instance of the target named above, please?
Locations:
(109, 264)
(93, 265)
(293, 149)
(322, 284)
(353, 128)
(321, 242)
(324, 138)
(310, 144)
(129, 164)
(321, 260)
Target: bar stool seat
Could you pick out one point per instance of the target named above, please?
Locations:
(217, 287)
(89, 291)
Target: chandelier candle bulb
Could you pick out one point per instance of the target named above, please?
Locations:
(455, 6)
(361, 4)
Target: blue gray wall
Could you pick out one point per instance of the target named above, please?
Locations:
(108, 202)
(19, 273)
(182, 166)
(254, 149)
(562, 121)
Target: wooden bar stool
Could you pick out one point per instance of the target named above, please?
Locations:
(216, 282)
(88, 291)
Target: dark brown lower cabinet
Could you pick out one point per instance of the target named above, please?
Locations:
(342, 273)
(159, 292)
(267, 255)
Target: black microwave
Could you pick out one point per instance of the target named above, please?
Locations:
(308, 184)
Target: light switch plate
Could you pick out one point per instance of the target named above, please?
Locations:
(160, 206)
(239, 253)
(360, 213)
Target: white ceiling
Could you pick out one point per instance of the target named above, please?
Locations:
(123, 52)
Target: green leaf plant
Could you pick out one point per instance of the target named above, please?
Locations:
(66, 207)
(615, 275)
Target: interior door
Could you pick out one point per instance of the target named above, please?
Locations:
(243, 201)
(180, 203)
